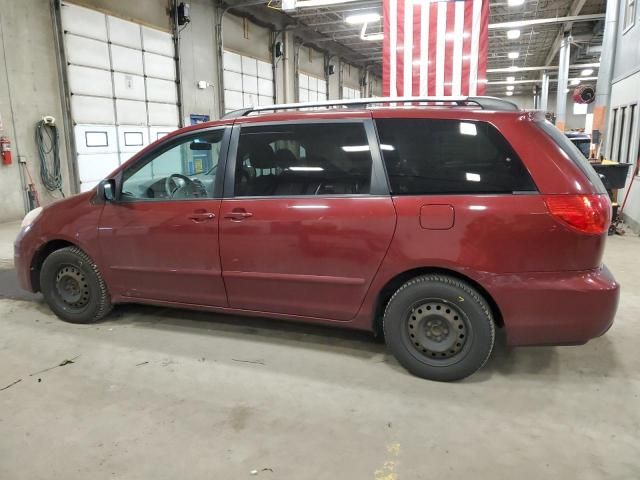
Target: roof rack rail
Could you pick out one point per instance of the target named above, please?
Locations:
(486, 103)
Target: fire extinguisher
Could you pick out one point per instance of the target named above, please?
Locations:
(5, 148)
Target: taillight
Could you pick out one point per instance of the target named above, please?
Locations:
(584, 213)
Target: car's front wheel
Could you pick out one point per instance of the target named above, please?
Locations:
(439, 327)
(73, 286)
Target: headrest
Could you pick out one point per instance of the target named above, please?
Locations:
(261, 156)
(285, 158)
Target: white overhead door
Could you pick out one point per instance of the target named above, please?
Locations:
(348, 92)
(122, 81)
(248, 82)
(311, 89)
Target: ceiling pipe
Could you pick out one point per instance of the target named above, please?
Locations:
(575, 66)
(538, 80)
(545, 21)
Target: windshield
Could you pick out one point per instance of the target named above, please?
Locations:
(573, 153)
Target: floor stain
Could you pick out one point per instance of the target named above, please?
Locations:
(238, 417)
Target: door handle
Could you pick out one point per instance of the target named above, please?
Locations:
(201, 217)
(238, 215)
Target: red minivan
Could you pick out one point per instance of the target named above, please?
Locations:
(432, 224)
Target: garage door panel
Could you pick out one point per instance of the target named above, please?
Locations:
(163, 114)
(92, 110)
(249, 84)
(303, 81)
(159, 66)
(128, 86)
(265, 70)
(262, 100)
(250, 99)
(163, 91)
(232, 81)
(157, 132)
(89, 81)
(92, 168)
(232, 62)
(122, 32)
(83, 21)
(232, 100)
(265, 87)
(95, 139)
(130, 112)
(249, 66)
(132, 138)
(126, 60)
(156, 41)
(87, 52)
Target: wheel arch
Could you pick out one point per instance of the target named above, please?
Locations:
(387, 291)
(41, 254)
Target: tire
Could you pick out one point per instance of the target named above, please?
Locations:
(439, 328)
(73, 286)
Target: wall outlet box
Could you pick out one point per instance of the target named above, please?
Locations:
(202, 84)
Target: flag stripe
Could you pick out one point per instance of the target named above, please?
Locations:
(448, 44)
(400, 47)
(466, 47)
(408, 49)
(433, 35)
(424, 48)
(458, 38)
(417, 50)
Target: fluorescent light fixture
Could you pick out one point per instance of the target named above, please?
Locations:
(306, 169)
(510, 88)
(575, 81)
(293, 4)
(508, 93)
(513, 34)
(467, 128)
(513, 68)
(355, 148)
(388, 148)
(472, 177)
(515, 3)
(511, 79)
(370, 36)
(586, 72)
(513, 55)
(362, 18)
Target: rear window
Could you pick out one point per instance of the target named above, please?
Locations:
(427, 156)
(573, 153)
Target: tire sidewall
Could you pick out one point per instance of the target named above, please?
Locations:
(481, 330)
(48, 274)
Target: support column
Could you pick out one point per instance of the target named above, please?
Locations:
(544, 94)
(563, 83)
(605, 73)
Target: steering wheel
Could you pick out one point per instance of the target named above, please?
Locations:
(175, 182)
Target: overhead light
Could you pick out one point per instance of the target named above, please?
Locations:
(388, 148)
(472, 177)
(575, 81)
(510, 87)
(508, 93)
(370, 36)
(511, 79)
(513, 34)
(362, 18)
(586, 72)
(513, 55)
(515, 3)
(293, 4)
(513, 68)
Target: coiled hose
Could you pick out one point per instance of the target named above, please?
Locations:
(49, 156)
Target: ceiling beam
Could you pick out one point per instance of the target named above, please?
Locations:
(574, 9)
(546, 21)
(544, 67)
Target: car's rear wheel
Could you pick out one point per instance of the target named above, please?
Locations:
(439, 327)
(73, 286)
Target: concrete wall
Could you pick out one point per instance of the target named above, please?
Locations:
(29, 89)
(351, 76)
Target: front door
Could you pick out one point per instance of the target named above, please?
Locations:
(307, 222)
(159, 239)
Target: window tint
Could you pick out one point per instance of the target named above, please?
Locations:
(303, 159)
(182, 170)
(425, 156)
(573, 153)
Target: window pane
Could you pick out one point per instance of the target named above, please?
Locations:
(426, 156)
(182, 170)
(311, 159)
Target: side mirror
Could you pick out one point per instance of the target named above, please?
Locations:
(108, 189)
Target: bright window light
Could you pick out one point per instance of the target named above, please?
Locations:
(586, 72)
(467, 128)
(355, 148)
(575, 81)
(510, 88)
(362, 18)
(513, 34)
(472, 177)
(511, 79)
(513, 55)
(508, 93)
(515, 3)
(388, 148)
(306, 169)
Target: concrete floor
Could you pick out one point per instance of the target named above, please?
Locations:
(168, 394)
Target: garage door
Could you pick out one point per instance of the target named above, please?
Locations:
(248, 82)
(348, 92)
(122, 81)
(311, 88)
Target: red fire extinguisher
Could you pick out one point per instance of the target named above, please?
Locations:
(5, 148)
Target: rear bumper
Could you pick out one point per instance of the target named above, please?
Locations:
(556, 308)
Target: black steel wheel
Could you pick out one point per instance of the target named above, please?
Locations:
(73, 286)
(439, 327)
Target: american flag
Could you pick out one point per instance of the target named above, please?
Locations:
(435, 48)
